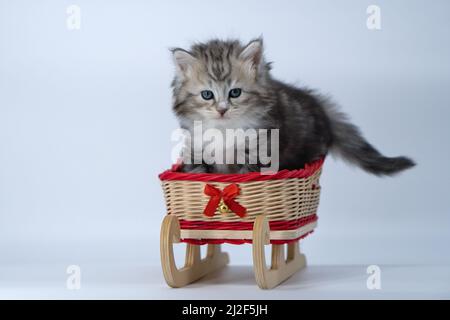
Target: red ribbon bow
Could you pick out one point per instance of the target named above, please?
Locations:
(228, 194)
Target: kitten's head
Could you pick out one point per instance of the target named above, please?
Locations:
(221, 82)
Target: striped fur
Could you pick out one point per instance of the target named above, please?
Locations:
(309, 125)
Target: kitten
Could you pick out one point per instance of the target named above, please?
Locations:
(227, 85)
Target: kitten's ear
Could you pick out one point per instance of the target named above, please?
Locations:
(253, 55)
(183, 60)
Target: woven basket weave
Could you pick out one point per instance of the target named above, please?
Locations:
(289, 199)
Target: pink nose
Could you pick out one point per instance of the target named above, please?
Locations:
(222, 111)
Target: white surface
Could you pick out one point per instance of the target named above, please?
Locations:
(119, 266)
(119, 281)
(125, 268)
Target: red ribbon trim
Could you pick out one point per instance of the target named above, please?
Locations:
(174, 175)
(274, 225)
(240, 241)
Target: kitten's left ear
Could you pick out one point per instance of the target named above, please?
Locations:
(253, 54)
(184, 61)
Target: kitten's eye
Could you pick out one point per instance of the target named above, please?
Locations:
(207, 94)
(235, 93)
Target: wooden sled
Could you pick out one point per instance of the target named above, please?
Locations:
(212, 209)
(281, 268)
(195, 268)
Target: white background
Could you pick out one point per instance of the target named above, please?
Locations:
(85, 125)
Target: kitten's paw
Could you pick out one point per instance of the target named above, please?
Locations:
(194, 169)
(249, 168)
(199, 170)
(245, 169)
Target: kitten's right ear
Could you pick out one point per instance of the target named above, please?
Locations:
(183, 60)
(253, 57)
(253, 51)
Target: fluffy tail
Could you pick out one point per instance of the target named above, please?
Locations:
(349, 143)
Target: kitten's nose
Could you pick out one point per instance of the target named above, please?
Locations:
(222, 107)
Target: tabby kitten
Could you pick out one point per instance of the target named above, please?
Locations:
(227, 85)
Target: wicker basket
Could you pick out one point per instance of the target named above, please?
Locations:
(289, 200)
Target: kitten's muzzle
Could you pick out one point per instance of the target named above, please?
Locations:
(222, 112)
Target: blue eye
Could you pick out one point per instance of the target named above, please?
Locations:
(207, 94)
(235, 93)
